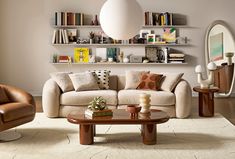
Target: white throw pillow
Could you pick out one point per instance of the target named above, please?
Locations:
(170, 80)
(133, 79)
(84, 81)
(102, 77)
(63, 81)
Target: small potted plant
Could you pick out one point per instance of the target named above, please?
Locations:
(98, 107)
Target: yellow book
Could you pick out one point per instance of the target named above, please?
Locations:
(81, 55)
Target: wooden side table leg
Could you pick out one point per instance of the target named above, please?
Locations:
(149, 134)
(86, 134)
(206, 104)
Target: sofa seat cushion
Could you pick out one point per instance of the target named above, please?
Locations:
(14, 111)
(83, 98)
(160, 98)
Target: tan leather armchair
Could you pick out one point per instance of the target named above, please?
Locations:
(19, 110)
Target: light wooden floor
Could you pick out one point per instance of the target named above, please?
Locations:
(224, 106)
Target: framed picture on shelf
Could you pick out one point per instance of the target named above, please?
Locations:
(144, 33)
(72, 35)
(151, 38)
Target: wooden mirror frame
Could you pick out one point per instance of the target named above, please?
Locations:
(219, 62)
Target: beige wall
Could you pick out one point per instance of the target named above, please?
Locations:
(25, 36)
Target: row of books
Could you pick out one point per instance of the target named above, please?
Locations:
(64, 36)
(176, 58)
(68, 18)
(152, 18)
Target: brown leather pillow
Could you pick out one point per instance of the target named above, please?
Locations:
(150, 81)
(3, 96)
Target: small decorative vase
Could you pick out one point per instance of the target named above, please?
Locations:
(126, 60)
(145, 103)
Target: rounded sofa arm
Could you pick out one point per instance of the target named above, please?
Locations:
(51, 99)
(183, 95)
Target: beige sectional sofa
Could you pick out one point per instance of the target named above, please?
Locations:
(57, 104)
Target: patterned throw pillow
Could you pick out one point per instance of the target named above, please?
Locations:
(102, 77)
(150, 81)
(3, 96)
(63, 81)
(133, 79)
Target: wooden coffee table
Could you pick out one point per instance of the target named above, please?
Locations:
(148, 124)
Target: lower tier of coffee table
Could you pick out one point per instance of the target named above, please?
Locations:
(87, 133)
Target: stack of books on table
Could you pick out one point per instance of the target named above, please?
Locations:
(176, 58)
(98, 113)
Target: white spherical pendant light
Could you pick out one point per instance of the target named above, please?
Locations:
(121, 19)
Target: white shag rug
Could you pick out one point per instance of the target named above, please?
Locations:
(194, 138)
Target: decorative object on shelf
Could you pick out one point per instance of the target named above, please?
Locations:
(151, 39)
(96, 21)
(144, 33)
(55, 58)
(101, 54)
(81, 55)
(206, 83)
(151, 54)
(121, 19)
(92, 37)
(72, 35)
(97, 107)
(169, 35)
(133, 110)
(136, 59)
(92, 59)
(112, 53)
(145, 103)
(146, 61)
(126, 60)
(120, 57)
(229, 56)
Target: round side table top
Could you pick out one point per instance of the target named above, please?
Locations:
(205, 90)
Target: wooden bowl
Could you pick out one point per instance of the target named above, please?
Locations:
(133, 109)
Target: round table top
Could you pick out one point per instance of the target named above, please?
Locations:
(205, 90)
(120, 116)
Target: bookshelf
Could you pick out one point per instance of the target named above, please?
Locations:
(107, 63)
(91, 28)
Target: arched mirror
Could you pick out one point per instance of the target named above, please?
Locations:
(220, 48)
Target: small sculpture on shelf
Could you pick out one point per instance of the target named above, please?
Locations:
(145, 103)
(229, 56)
(92, 37)
(206, 83)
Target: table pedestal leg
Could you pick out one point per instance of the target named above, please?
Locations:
(149, 134)
(206, 104)
(86, 134)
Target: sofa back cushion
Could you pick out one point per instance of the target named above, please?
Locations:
(113, 82)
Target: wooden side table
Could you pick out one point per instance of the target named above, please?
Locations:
(206, 100)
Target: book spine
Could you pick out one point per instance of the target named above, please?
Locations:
(56, 18)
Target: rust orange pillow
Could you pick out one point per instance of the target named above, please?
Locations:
(150, 81)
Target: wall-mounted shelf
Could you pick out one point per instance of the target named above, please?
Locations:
(100, 63)
(111, 45)
(145, 26)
